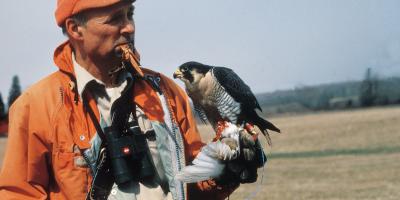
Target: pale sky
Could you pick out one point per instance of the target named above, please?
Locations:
(271, 44)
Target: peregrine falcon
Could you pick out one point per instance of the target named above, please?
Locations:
(219, 94)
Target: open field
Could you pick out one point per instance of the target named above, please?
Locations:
(333, 155)
(336, 155)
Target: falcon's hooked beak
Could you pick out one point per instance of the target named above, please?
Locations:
(178, 74)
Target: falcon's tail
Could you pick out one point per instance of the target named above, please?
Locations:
(264, 126)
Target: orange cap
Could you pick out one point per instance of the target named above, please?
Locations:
(67, 8)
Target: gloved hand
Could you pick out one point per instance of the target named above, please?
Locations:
(244, 168)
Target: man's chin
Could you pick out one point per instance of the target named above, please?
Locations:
(111, 59)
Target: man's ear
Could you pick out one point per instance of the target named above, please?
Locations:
(73, 29)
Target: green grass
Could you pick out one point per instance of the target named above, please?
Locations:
(335, 152)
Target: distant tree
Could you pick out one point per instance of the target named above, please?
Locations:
(368, 89)
(323, 98)
(15, 90)
(2, 108)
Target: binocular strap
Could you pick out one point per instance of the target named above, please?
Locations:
(103, 179)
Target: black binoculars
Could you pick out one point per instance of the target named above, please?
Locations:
(128, 154)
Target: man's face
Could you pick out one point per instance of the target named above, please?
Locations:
(106, 28)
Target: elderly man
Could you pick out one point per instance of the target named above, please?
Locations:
(73, 135)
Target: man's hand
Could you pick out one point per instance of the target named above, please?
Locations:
(244, 168)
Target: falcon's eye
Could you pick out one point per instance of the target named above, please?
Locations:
(184, 69)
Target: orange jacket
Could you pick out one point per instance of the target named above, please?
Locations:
(48, 119)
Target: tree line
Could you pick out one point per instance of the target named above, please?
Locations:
(15, 91)
(371, 91)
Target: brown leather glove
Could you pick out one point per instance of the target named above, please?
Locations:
(244, 168)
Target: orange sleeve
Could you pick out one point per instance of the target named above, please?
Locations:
(24, 174)
(210, 190)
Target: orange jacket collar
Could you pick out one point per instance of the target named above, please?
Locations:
(63, 57)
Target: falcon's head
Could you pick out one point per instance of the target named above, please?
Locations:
(191, 72)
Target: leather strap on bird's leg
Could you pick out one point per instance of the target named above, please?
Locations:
(132, 57)
(250, 129)
(221, 125)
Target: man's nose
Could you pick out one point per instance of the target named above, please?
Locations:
(128, 28)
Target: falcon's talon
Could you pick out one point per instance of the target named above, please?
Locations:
(221, 125)
(251, 130)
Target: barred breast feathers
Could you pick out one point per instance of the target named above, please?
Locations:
(226, 105)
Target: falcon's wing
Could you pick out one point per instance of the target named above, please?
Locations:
(235, 87)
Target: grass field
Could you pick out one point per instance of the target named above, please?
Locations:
(335, 155)
(343, 155)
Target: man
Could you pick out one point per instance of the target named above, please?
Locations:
(59, 127)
